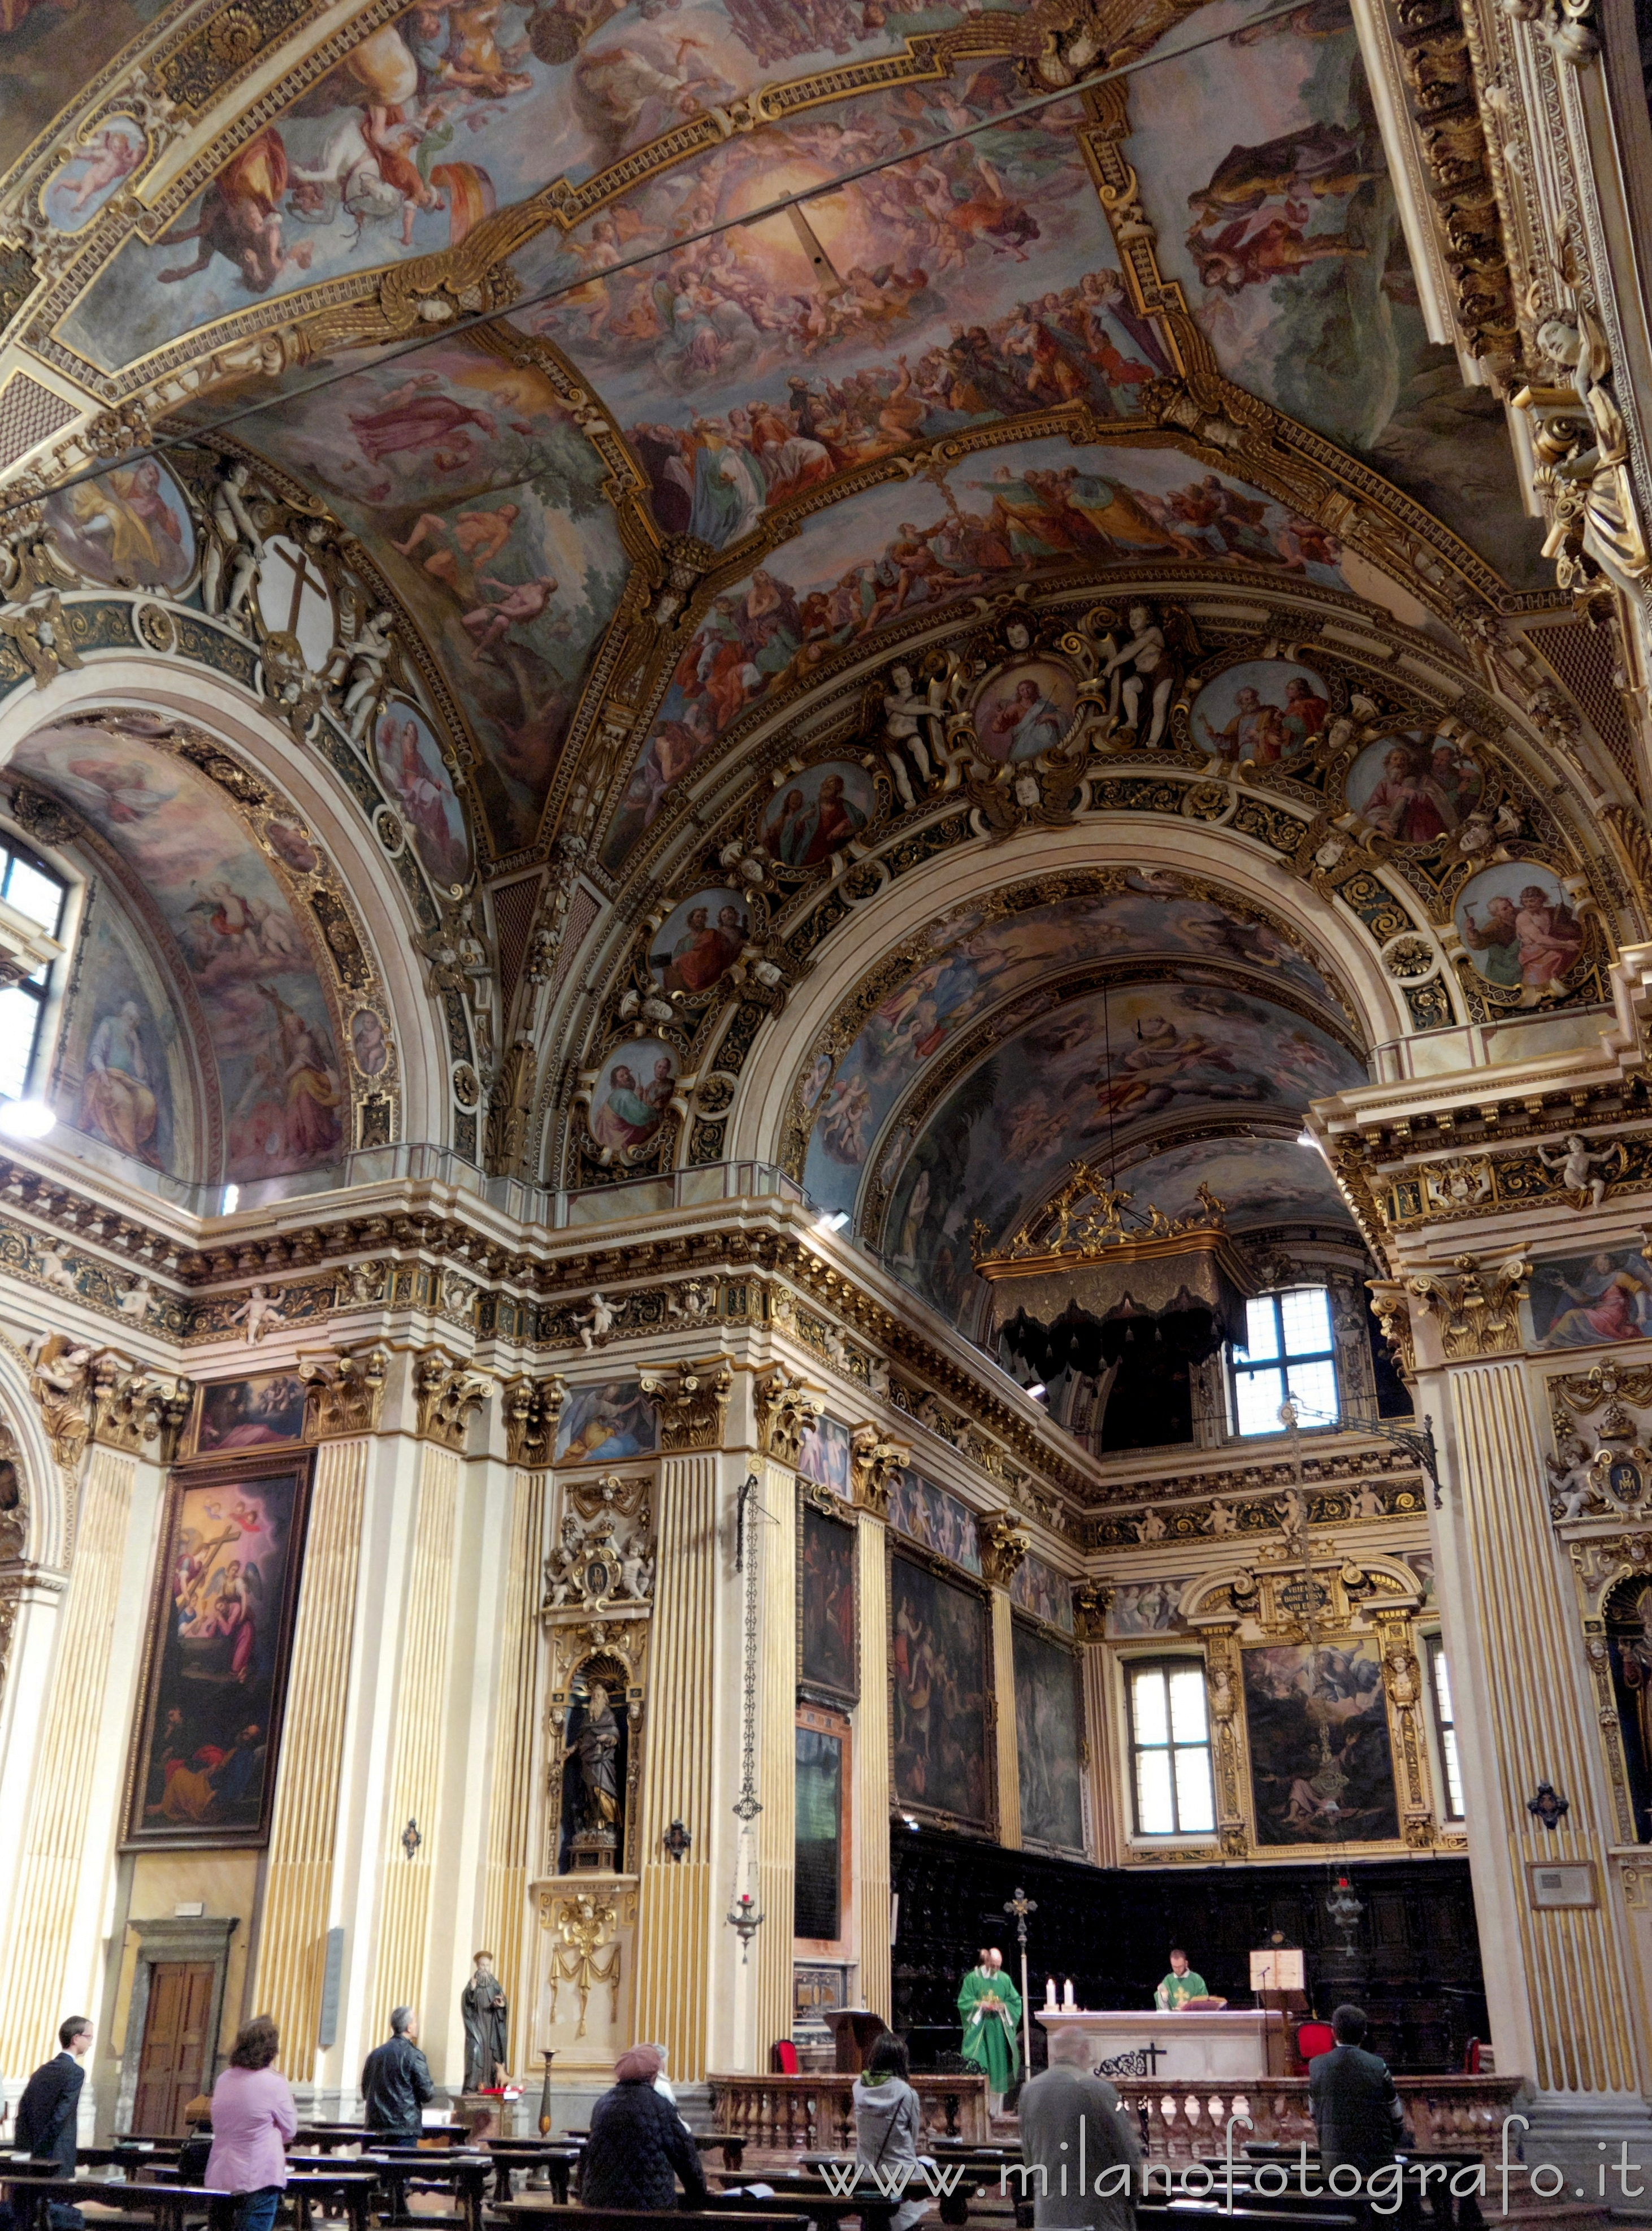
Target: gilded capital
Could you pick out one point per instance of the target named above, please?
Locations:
(135, 1409)
(692, 1403)
(1476, 1308)
(448, 1392)
(345, 1391)
(532, 1408)
(1002, 1548)
(1391, 1306)
(786, 1411)
(1091, 1603)
(874, 1465)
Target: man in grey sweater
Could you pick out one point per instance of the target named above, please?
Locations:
(1074, 2131)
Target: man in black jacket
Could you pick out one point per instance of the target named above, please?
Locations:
(639, 2144)
(396, 2087)
(47, 2111)
(1356, 2110)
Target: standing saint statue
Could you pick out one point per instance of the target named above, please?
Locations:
(990, 2006)
(597, 1745)
(485, 2012)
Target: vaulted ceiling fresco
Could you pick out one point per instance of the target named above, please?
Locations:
(685, 464)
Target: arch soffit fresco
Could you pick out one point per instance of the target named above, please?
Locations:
(346, 908)
(226, 97)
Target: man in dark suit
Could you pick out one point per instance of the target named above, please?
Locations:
(47, 2111)
(1356, 2110)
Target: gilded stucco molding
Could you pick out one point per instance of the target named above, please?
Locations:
(344, 1392)
(448, 1393)
(785, 1411)
(875, 1465)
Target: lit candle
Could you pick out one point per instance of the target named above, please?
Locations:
(1067, 1999)
(1049, 1990)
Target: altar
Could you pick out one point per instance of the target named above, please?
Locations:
(1235, 2045)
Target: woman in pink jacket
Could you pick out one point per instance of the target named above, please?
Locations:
(253, 2122)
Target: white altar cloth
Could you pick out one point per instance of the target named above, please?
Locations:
(1238, 2043)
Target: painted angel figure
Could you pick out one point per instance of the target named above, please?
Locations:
(259, 1312)
(1575, 1165)
(358, 668)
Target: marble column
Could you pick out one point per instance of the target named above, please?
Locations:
(870, 1860)
(1559, 1983)
(299, 1874)
(69, 1829)
(514, 1807)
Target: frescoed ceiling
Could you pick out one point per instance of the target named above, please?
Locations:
(662, 367)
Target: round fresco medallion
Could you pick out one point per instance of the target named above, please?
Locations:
(700, 941)
(1028, 709)
(815, 814)
(1518, 926)
(632, 1093)
(1414, 788)
(1264, 710)
(411, 768)
(130, 529)
(290, 842)
(368, 1042)
(85, 180)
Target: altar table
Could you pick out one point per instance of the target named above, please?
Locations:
(1236, 2045)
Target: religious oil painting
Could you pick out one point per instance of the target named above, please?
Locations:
(1628, 1638)
(483, 501)
(1519, 927)
(941, 1669)
(815, 813)
(268, 1023)
(130, 529)
(1413, 787)
(250, 1413)
(700, 941)
(1049, 1730)
(215, 1678)
(995, 518)
(1584, 1301)
(1039, 1589)
(828, 1636)
(290, 842)
(606, 1423)
(37, 75)
(927, 1514)
(1145, 1608)
(368, 1042)
(411, 768)
(824, 1455)
(123, 1074)
(632, 1094)
(1264, 709)
(1026, 711)
(91, 172)
(970, 963)
(1321, 1766)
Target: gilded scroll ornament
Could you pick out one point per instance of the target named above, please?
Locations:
(786, 1411)
(874, 1465)
(532, 1410)
(692, 1404)
(345, 1393)
(447, 1392)
(1002, 1548)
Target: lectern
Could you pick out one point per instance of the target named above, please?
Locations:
(1278, 1979)
(855, 2030)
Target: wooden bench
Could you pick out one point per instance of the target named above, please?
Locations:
(543, 2156)
(166, 2206)
(550, 2216)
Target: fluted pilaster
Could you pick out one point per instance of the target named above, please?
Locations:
(511, 1802)
(1003, 1691)
(776, 1547)
(871, 1777)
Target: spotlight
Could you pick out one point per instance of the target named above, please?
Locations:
(833, 1219)
(1037, 1390)
(231, 1199)
(26, 1118)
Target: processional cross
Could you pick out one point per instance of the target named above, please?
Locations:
(1021, 1906)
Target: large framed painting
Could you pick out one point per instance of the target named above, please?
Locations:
(1321, 1770)
(1049, 1732)
(827, 1629)
(940, 1675)
(208, 1735)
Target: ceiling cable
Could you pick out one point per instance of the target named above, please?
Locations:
(784, 205)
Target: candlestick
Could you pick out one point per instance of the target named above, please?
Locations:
(1049, 1990)
(1067, 1999)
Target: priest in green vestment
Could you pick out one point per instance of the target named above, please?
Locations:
(990, 2006)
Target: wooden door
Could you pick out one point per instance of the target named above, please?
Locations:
(172, 2067)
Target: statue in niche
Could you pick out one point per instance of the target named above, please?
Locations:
(593, 1777)
(485, 2012)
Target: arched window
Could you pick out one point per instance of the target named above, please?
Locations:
(1169, 1748)
(29, 888)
